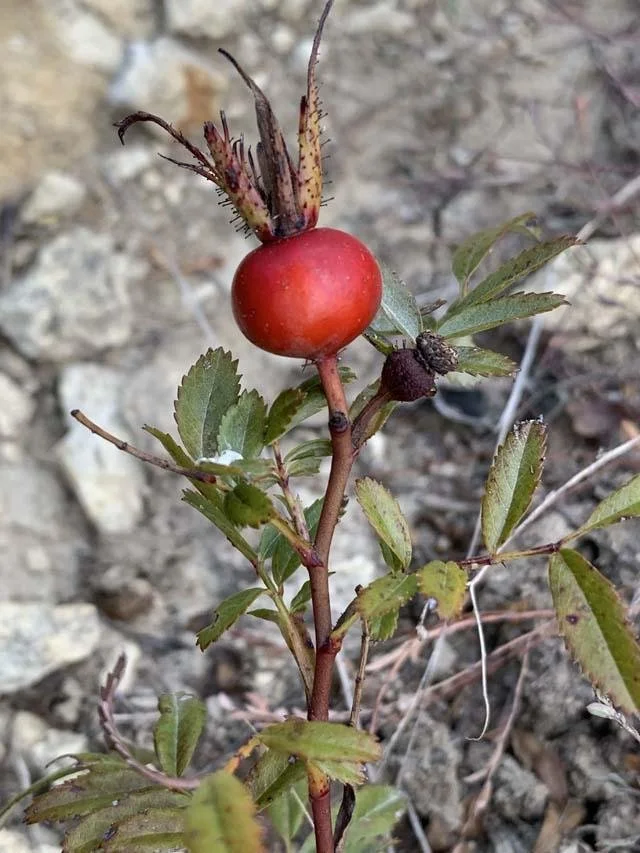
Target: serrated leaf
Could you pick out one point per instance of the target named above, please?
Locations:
(177, 731)
(210, 388)
(294, 405)
(272, 776)
(87, 835)
(212, 507)
(470, 253)
(267, 614)
(593, 622)
(171, 446)
(380, 418)
(243, 426)
(398, 313)
(385, 516)
(319, 741)
(94, 788)
(153, 831)
(384, 627)
(484, 362)
(248, 506)
(304, 460)
(447, 583)
(227, 614)
(487, 315)
(284, 560)
(515, 269)
(386, 595)
(301, 599)
(347, 772)
(512, 480)
(378, 808)
(221, 818)
(618, 506)
(286, 813)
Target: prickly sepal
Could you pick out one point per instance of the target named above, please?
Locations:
(272, 198)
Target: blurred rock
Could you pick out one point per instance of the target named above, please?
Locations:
(109, 484)
(165, 78)
(128, 18)
(126, 163)
(16, 409)
(12, 841)
(39, 744)
(383, 16)
(517, 793)
(38, 639)
(83, 36)
(58, 194)
(121, 596)
(39, 539)
(74, 301)
(204, 19)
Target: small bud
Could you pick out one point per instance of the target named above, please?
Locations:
(435, 353)
(405, 377)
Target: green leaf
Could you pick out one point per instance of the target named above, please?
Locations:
(618, 506)
(304, 460)
(301, 599)
(285, 561)
(242, 426)
(287, 812)
(380, 418)
(385, 596)
(95, 787)
(398, 313)
(272, 776)
(227, 614)
(347, 772)
(210, 388)
(212, 507)
(221, 818)
(89, 833)
(248, 506)
(487, 315)
(176, 734)
(513, 478)
(385, 516)
(384, 627)
(593, 622)
(470, 254)
(155, 830)
(447, 583)
(294, 405)
(515, 269)
(484, 362)
(319, 741)
(171, 446)
(378, 809)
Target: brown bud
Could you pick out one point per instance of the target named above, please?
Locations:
(405, 378)
(435, 353)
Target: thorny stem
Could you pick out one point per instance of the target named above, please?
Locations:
(326, 649)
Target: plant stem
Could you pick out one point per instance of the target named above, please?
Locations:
(326, 649)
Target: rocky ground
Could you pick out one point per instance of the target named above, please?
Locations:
(444, 117)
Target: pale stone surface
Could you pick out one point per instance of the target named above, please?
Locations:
(84, 37)
(38, 639)
(16, 409)
(57, 194)
(39, 744)
(201, 18)
(109, 484)
(73, 302)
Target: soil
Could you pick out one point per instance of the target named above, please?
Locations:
(443, 118)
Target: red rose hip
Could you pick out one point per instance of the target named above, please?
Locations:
(308, 295)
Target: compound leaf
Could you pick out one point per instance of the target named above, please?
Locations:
(619, 505)
(385, 516)
(593, 622)
(177, 731)
(483, 362)
(513, 478)
(227, 614)
(210, 388)
(317, 741)
(272, 776)
(155, 830)
(248, 506)
(474, 318)
(221, 818)
(398, 313)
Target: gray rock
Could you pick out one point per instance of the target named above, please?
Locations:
(16, 409)
(38, 744)
(75, 300)
(108, 483)
(38, 639)
(40, 540)
(203, 19)
(517, 792)
(127, 163)
(157, 77)
(58, 194)
(12, 841)
(84, 37)
(128, 18)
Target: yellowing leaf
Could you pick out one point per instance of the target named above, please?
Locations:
(385, 516)
(221, 818)
(447, 583)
